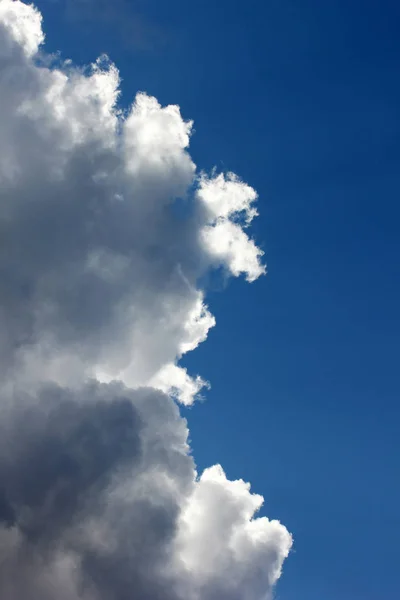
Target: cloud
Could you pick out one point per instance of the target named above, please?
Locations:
(105, 231)
(100, 498)
(92, 483)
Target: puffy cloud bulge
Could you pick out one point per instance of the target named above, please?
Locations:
(106, 229)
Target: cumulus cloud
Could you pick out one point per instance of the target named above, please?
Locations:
(105, 230)
(91, 489)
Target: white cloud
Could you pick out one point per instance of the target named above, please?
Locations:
(229, 245)
(99, 272)
(225, 196)
(175, 380)
(223, 546)
(229, 206)
(24, 24)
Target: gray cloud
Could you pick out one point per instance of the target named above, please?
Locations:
(57, 449)
(80, 476)
(106, 231)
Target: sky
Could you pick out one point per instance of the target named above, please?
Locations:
(301, 100)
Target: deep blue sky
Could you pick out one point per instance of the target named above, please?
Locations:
(301, 98)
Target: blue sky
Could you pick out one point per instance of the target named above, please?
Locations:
(302, 100)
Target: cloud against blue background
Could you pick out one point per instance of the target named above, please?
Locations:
(99, 295)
